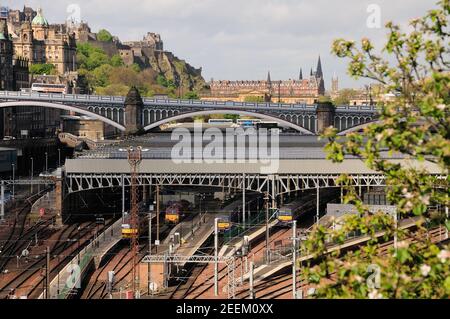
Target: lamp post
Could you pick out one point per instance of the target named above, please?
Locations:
(216, 249)
(59, 157)
(266, 200)
(46, 162)
(31, 175)
(13, 178)
(152, 208)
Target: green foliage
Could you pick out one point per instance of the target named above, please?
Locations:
(344, 96)
(104, 36)
(42, 68)
(416, 124)
(116, 61)
(233, 117)
(191, 96)
(163, 81)
(254, 99)
(90, 57)
(324, 99)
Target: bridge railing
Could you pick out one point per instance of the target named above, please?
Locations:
(74, 98)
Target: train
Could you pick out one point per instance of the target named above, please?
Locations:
(289, 212)
(256, 123)
(232, 213)
(248, 122)
(128, 231)
(175, 211)
(220, 121)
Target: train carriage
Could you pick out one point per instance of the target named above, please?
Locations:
(176, 211)
(289, 212)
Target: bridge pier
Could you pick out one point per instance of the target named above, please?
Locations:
(325, 116)
(133, 112)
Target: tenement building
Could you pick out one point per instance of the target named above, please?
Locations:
(40, 42)
(303, 90)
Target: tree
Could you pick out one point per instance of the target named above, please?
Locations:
(191, 95)
(104, 36)
(344, 96)
(90, 57)
(254, 99)
(101, 75)
(42, 68)
(116, 60)
(416, 124)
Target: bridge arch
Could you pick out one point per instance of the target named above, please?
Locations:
(357, 127)
(66, 108)
(236, 112)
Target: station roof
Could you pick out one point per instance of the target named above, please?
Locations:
(296, 155)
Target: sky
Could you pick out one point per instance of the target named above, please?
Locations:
(243, 39)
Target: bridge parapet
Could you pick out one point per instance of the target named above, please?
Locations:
(156, 112)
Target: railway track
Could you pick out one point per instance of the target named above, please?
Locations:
(97, 288)
(198, 291)
(195, 292)
(280, 286)
(30, 278)
(19, 233)
(120, 263)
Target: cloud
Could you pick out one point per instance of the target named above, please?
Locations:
(235, 39)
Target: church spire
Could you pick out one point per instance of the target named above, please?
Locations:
(311, 72)
(300, 77)
(269, 82)
(319, 69)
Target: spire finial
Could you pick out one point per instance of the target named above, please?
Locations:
(319, 68)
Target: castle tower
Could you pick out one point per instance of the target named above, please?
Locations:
(133, 112)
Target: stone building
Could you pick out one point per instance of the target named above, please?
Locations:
(23, 121)
(40, 42)
(16, 18)
(302, 90)
(6, 58)
(87, 127)
(21, 74)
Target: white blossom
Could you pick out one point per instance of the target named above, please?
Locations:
(374, 294)
(402, 244)
(425, 270)
(390, 131)
(443, 255)
(379, 137)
